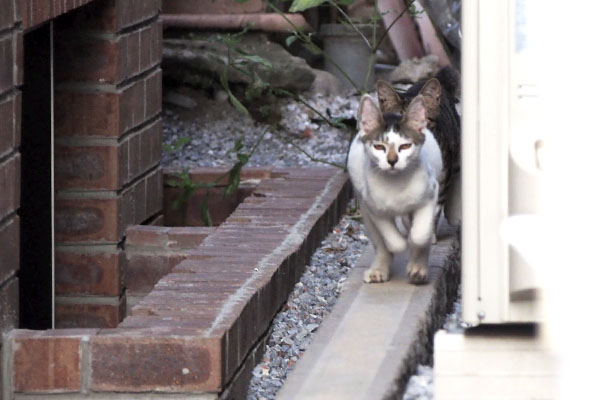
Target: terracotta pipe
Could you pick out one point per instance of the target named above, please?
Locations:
(403, 34)
(263, 22)
(431, 41)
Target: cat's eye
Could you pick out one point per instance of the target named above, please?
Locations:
(379, 147)
(405, 146)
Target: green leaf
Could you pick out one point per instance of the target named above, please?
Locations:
(302, 5)
(238, 145)
(237, 104)
(290, 39)
(243, 158)
(313, 48)
(204, 213)
(234, 178)
(257, 59)
(179, 143)
(172, 183)
(345, 2)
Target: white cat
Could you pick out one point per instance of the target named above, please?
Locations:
(395, 166)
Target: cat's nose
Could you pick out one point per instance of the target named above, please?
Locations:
(392, 161)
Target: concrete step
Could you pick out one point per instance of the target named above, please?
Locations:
(377, 334)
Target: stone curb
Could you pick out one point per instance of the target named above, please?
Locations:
(376, 335)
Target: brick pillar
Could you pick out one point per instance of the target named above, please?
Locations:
(108, 146)
(11, 64)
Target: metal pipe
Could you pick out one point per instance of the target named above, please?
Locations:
(261, 21)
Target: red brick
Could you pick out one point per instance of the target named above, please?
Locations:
(107, 167)
(151, 45)
(188, 237)
(60, 7)
(7, 63)
(104, 218)
(154, 193)
(88, 167)
(7, 16)
(153, 94)
(157, 364)
(83, 270)
(211, 174)
(10, 182)
(89, 59)
(83, 58)
(9, 256)
(134, 52)
(93, 220)
(108, 114)
(10, 123)
(9, 305)
(36, 12)
(140, 213)
(46, 364)
(89, 315)
(18, 50)
(144, 270)
(39, 12)
(89, 114)
(152, 321)
(158, 220)
(217, 7)
(146, 236)
(113, 15)
(150, 147)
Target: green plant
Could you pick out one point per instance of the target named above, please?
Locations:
(373, 44)
(188, 187)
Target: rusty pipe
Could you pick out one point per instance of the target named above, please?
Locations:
(264, 22)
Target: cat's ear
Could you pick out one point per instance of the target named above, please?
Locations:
(389, 101)
(432, 93)
(416, 115)
(370, 118)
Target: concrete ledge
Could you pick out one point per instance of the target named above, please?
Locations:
(376, 335)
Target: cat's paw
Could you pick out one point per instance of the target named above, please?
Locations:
(417, 274)
(374, 275)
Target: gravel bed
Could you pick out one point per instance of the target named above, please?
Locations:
(214, 126)
(307, 306)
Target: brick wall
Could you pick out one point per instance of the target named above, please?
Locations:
(108, 146)
(198, 332)
(11, 63)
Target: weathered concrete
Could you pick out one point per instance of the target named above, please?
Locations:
(376, 334)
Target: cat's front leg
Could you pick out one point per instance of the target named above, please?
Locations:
(379, 270)
(391, 236)
(421, 231)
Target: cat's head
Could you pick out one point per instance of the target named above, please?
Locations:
(391, 102)
(392, 141)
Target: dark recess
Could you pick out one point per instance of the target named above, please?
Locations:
(35, 275)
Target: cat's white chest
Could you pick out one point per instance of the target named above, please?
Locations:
(393, 195)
